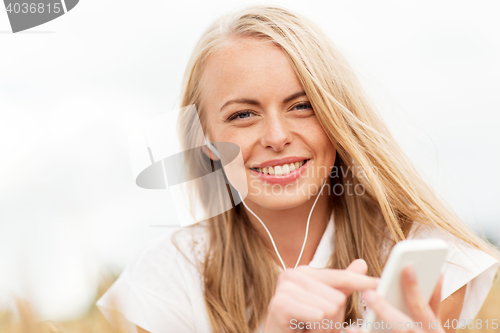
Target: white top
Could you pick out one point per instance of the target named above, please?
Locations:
(161, 291)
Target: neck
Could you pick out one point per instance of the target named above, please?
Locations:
(288, 229)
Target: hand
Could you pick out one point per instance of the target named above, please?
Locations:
(426, 314)
(314, 295)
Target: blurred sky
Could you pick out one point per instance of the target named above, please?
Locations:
(70, 89)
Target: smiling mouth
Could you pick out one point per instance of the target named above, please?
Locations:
(280, 170)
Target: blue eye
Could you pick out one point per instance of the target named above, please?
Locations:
(303, 106)
(243, 115)
(240, 115)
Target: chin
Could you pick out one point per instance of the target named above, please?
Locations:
(276, 202)
(277, 197)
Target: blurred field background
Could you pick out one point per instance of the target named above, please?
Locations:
(24, 320)
(93, 320)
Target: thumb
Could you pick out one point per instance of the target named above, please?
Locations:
(435, 301)
(358, 266)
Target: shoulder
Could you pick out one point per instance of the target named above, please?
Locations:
(191, 243)
(176, 256)
(465, 265)
(161, 285)
(466, 258)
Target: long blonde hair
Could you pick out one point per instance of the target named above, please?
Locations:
(238, 272)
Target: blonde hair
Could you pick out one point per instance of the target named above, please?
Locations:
(238, 271)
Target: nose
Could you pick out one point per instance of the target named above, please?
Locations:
(277, 134)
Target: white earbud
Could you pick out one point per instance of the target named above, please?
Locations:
(211, 147)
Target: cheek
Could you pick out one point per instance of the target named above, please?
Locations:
(319, 141)
(243, 140)
(330, 152)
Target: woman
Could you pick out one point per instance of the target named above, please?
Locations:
(329, 192)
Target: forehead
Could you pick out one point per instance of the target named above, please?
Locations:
(248, 67)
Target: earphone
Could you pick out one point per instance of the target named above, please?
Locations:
(211, 147)
(216, 152)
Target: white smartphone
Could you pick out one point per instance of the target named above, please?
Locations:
(427, 257)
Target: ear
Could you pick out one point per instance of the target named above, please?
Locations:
(209, 153)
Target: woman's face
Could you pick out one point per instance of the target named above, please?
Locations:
(254, 99)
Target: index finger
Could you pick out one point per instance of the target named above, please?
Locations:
(343, 280)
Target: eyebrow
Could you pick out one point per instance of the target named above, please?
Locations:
(256, 102)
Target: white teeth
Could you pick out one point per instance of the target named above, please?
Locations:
(286, 169)
(281, 170)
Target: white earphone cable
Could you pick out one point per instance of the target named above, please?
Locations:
(309, 220)
(271, 237)
(216, 152)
